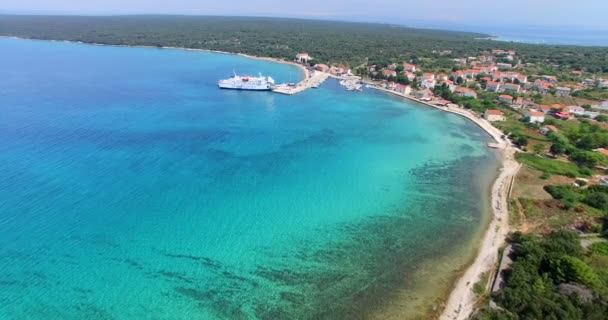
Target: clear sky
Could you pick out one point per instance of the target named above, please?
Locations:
(591, 14)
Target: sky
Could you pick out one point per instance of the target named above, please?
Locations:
(588, 14)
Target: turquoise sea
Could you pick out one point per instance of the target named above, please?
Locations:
(132, 188)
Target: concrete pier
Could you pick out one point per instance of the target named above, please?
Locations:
(315, 80)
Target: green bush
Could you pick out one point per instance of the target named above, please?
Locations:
(600, 248)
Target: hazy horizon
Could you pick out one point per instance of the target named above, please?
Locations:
(465, 15)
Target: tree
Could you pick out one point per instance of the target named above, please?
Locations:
(598, 200)
(538, 148)
(602, 118)
(521, 141)
(459, 80)
(586, 158)
(558, 148)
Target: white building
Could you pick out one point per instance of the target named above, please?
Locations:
(403, 89)
(576, 110)
(303, 58)
(535, 116)
(562, 91)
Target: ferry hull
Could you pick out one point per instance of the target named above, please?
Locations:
(246, 89)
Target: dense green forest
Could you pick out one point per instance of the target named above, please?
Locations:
(553, 277)
(351, 44)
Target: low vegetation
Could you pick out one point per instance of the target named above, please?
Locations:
(551, 166)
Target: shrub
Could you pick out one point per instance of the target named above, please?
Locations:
(597, 200)
(600, 248)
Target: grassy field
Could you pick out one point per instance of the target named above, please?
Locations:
(550, 166)
(517, 127)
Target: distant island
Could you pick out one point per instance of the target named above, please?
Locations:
(550, 103)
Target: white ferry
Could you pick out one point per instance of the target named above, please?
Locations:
(247, 83)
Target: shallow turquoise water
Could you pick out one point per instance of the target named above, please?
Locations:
(132, 188)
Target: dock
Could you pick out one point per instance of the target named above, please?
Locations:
(313, 81)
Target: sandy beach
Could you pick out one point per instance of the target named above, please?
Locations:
(461, 302)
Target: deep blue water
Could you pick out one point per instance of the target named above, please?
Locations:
(132, 188)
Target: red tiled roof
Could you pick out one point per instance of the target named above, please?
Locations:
(494, 112)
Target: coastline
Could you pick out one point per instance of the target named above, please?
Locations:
(462, 300)
(305, 71)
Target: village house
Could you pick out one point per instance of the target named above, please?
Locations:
(392, 66)
(521, 78)
(340, 71)
(456, 74)
(460, 61)
(470, 73)
(552, 79)
(403, 89)
(519, 102)
(547, 129)
(576, 110)
(372, 68)
(493, 86)
(562, 91)
(497, 76)
(428, 83)
(504, 65)
(409, 75)
(484, 58)
(321, 67)
(498, 52)
(409, 67)
(544, 108)
(442, 77)
(511, 87)
(425, 94)
(535, 116)
(591, 114)
(601, 106)
(303, 58)
(505, 98)
(487, 69)
(450, 85)
(466, 92)
(493, 115)
(390, 85)
(389, 73)
(588, 82)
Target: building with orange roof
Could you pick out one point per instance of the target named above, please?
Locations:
(493, 115)
(505, 98)
(466, 92)
(409, 67)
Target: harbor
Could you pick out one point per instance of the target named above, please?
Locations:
(313, 81)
